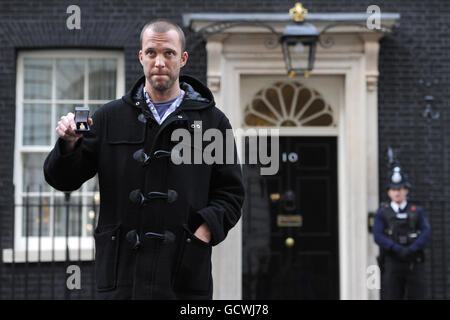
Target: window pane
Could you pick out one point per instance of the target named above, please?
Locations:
(37, 78)
(33, 174)
(102, 79)
(69, 78)
(36, 124)
(92, 184)
(75, 211)
(92, 214)
(93, 108)
(36, 216)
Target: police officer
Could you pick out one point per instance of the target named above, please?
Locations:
(401, 230)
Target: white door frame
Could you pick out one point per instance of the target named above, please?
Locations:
(354, 56)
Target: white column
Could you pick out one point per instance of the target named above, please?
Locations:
(227, 256)
(371, 48)
(352, 226)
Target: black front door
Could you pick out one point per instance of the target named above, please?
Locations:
(290, 224)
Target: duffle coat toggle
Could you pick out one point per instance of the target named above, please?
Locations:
(133, 237)
(140, 199)
(145, 159)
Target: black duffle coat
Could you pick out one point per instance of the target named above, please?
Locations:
(145, 247)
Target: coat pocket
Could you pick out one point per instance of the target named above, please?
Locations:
(193, 272)
(106, 257)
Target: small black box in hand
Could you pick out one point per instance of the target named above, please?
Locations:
(81, 119)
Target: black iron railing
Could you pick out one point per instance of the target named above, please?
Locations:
(35, 257)
(45, 236)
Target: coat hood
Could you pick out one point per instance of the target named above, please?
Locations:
(197, 95)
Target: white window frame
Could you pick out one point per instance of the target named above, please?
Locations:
(51, 248)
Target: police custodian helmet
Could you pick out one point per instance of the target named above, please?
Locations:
(397, 179)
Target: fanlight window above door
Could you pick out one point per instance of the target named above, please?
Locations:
(288, 104)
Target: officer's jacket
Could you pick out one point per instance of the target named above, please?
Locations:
(130, 152)
(382, 229)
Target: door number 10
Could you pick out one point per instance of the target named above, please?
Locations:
(291, 157)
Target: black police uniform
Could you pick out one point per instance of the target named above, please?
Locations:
(402, 235)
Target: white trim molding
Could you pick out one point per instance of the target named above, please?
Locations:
(192, 20)
(238, 52)
(33, 249)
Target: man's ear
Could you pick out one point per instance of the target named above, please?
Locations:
(140, 57)
(184, 58)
